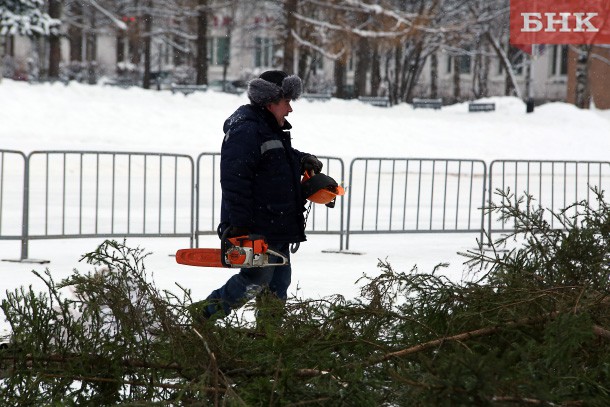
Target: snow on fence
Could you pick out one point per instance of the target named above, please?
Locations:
(321, 219)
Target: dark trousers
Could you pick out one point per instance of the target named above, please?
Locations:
(246, 285)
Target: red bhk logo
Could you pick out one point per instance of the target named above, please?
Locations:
(559, 22)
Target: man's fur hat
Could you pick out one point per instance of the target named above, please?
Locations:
(272, 86)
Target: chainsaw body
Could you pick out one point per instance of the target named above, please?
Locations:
(235, 252)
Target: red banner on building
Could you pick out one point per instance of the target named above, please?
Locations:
(559, 22)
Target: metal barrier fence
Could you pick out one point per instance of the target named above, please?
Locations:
(410, 195)
(109, 194)
(13, 170)
(77, 194)
(554, 185)
(322, 220)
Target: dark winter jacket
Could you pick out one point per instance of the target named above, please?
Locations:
(260, 177)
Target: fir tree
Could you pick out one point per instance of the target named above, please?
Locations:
(25, 17)
(530, 327)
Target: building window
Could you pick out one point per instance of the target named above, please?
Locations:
(263, 52)
(463, 61)
(222, 50)
(218, 50)
(518, 62)
(559, 60)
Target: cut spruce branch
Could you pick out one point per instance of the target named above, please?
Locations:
(59, 358)
(147, 383)
(537, 322)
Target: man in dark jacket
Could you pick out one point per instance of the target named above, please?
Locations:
(260, 176)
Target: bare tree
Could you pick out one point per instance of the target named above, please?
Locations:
(363, 62)
(290, 9)
(375, 69)
(202, 42)
(434, 76)
(511, 81)
(148, 20)
(74, 15)
(54, 41)
(581, 95)
(481, 70)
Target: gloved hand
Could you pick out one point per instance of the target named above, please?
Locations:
(236, 231)
(311, 163)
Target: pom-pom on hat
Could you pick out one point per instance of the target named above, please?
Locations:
(272, 86)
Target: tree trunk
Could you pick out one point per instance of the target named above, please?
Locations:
(375, 70)
(394, 91)
(54, 42)
(362, 67)
(202, 43)
(2, 50)
(511, 81)
(434, 76)
(134, 37)
(75, 33)
(147, 44)
(476, 76)
(528, 77)
(290, 8)
(414, 68)
(485, 74)
(581, 98)
(91, 47)
(456, 79)
(304, 66)
(227, 58)
(120, 49)
(339, 76)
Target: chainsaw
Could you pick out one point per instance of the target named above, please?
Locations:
(242, 251)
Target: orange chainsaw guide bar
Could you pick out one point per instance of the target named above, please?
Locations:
(199, 257)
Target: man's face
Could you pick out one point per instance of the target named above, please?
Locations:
(280, 110)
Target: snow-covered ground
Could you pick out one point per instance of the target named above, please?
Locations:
(83, 117)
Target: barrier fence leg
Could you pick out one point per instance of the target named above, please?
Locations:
(25, 220)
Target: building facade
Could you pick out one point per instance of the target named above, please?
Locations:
(241, 51)
(598, 77)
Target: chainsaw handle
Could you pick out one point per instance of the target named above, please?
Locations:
(227, 243)
(283, 259)
(224, 246)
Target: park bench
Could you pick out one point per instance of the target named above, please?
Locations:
(481, 107)
(121, 82)
(427, 103)
(63, 80)
(381, 101)
(324, 97)
(188, 89)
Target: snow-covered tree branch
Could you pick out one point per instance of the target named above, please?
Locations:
(26, 17)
